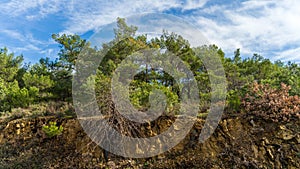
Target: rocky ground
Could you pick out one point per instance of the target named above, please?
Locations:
(238, 142)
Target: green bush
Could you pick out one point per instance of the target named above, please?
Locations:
(141, 91)
(233, 100)
(52, 130)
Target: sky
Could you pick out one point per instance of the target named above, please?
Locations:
(270, 28)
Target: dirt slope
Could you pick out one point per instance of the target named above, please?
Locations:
(236, 143)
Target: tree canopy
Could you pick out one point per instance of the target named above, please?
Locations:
(22, 84)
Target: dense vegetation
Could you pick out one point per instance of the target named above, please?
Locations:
(256, 85)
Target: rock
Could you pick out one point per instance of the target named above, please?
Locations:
(161, 156)
(266, 141)
(298, 139)
(285, 133)
(277, 162)
(255, 150)
(111, 164)
(132, 162)
(252, 123)
(288, 136)
(269, 152)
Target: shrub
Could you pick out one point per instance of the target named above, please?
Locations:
(233, 101)
(12, 96)
(52, 130)
(272, 104)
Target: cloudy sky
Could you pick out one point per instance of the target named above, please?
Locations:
(268, 27)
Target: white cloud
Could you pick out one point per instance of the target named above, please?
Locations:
(20, 49)
(25, 8)
(289, 55)
(15, 7)
(28, 47)
(194, 4)
(24, 38)
(13, 34)
(25, 42)
(156, 23)
(93, 14)
(213, 8)
(50, 53)
(255, 4)
(257, 26)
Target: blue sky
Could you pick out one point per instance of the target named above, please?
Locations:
(267, 27)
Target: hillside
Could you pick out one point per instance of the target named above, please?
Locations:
(238, 142)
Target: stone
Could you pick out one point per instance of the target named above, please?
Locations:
(298, 139)
(269, 152)
(287, 135)
(255, 150)
(111, 164)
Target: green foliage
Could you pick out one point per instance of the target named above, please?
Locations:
(124, 31)
(40, 82)
(9, 65)
(3, 89)
(22, 85)
(17, 97)
(233, 101)
(11, 95)
(52, 129)
(61, 69)
(141, 91)
(71, 46)
(298, 154)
